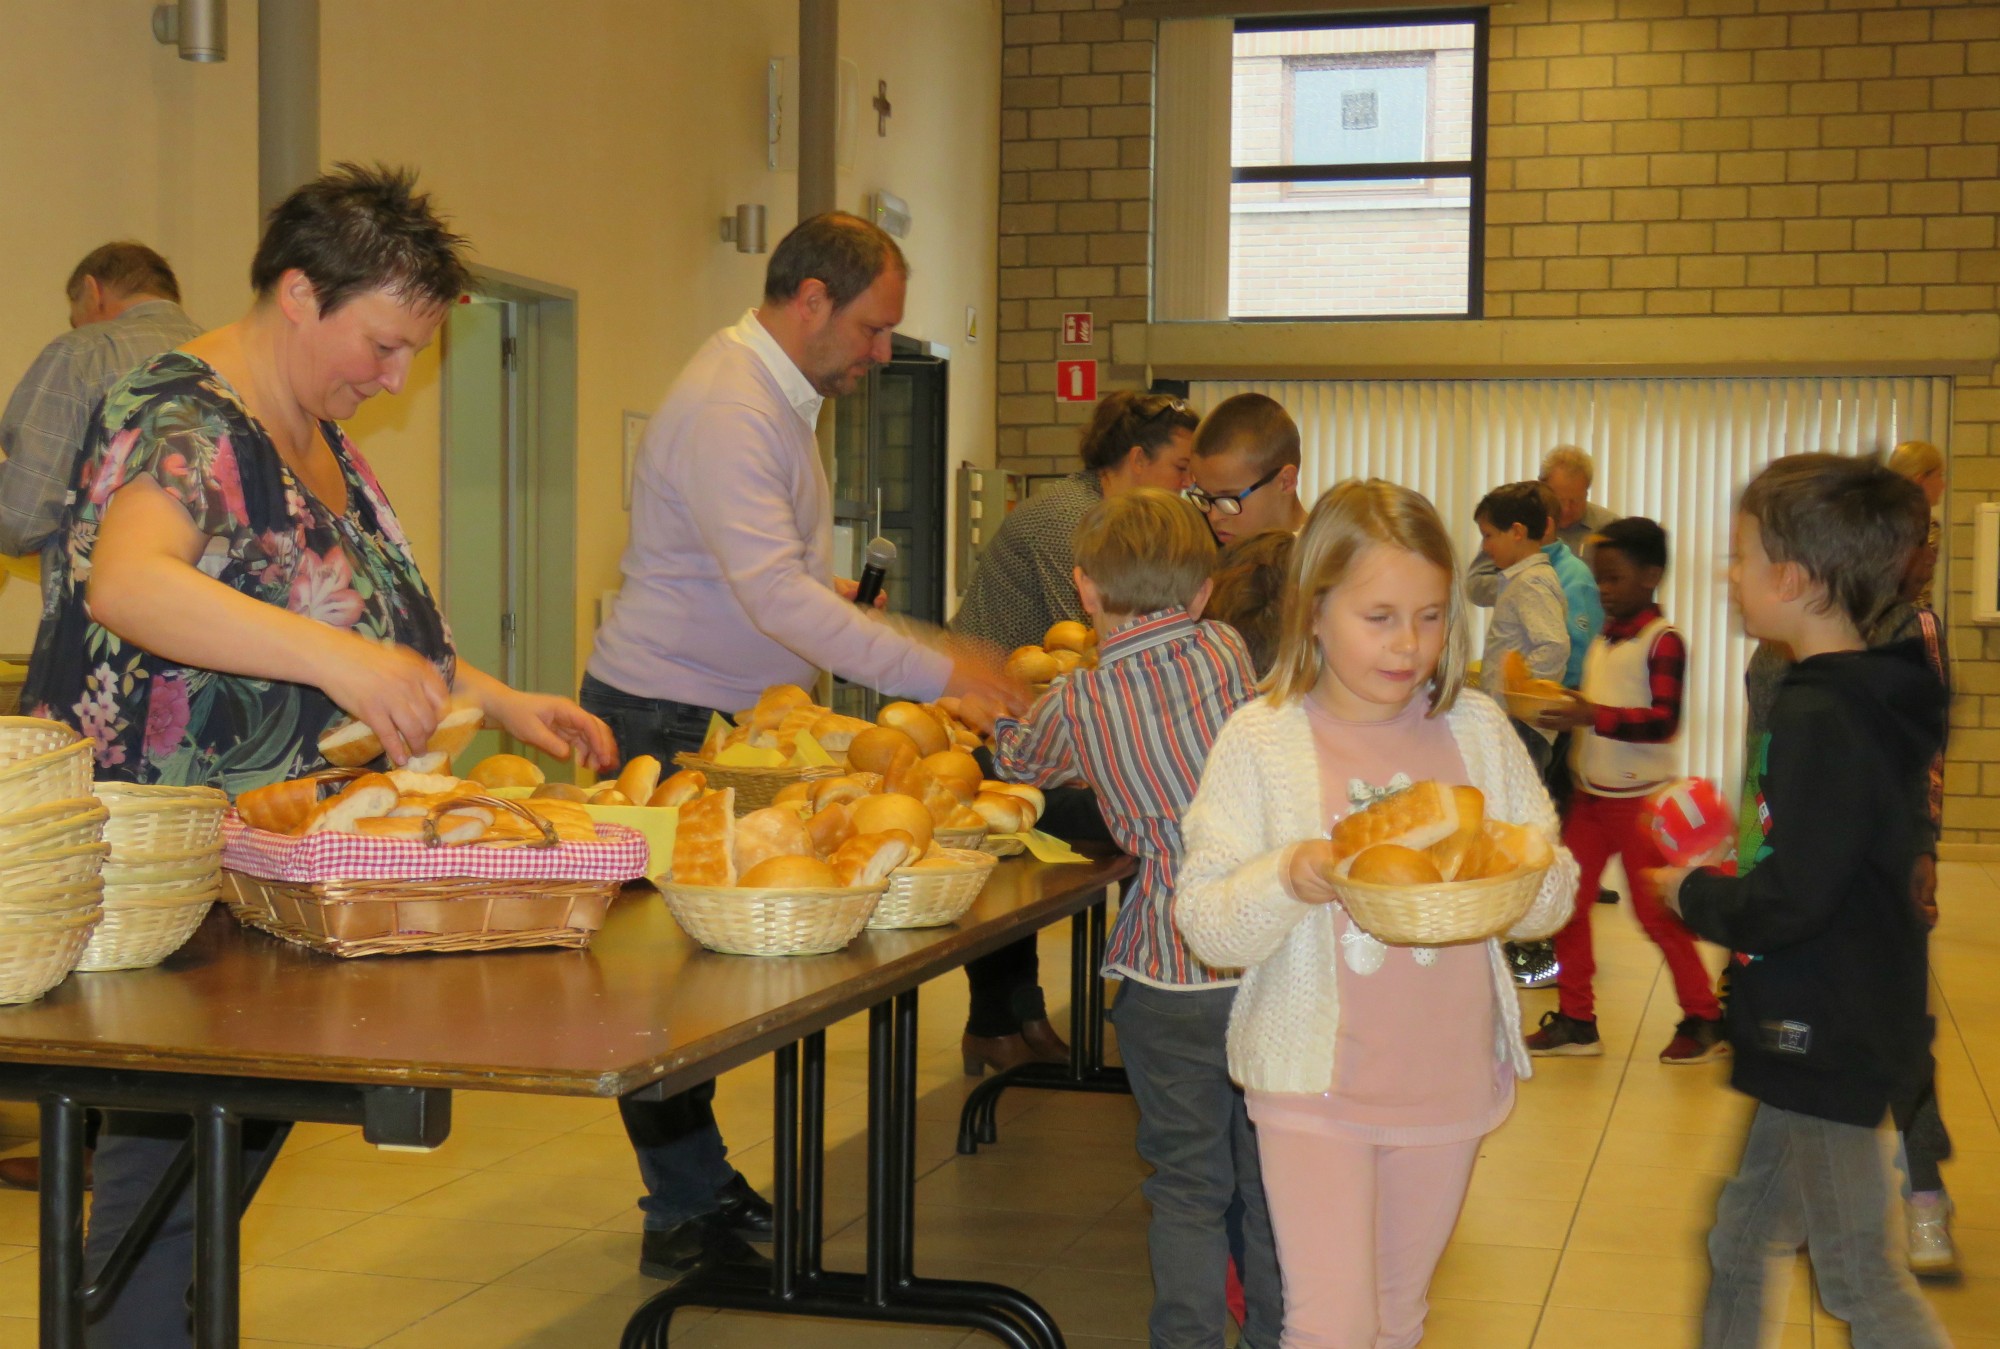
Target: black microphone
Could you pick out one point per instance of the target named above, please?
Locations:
(875, 567)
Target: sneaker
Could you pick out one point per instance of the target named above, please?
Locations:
(1532, 963)
(1696, 1040)
(1932, 1255)
(1607, 896)
(1564, 1036)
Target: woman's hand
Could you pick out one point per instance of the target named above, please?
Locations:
(556, 726)
(397, 692)
(1312, 862)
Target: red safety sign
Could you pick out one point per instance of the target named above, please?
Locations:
(1076, 381)
(1078, 330)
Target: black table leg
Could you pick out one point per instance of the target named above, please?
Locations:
(62, 1223)
(218, 1217)
(978, 1120)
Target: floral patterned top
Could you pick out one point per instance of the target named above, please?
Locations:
(177, 421)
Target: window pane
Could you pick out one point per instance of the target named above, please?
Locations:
(1380, 246)
(1352, 95)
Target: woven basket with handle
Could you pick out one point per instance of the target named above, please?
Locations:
(932, 897)
(755, 787)
(1445, 914)
(773, 922)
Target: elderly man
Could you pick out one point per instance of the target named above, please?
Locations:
(729, 588)
(1568, 470)
(124, 309)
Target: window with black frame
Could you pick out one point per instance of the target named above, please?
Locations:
(1357, 166)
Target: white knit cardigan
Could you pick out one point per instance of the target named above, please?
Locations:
(1260, 795)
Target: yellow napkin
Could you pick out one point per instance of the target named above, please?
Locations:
(1049, 848)
(745, 756)
(657, 823)
(809, 753)
(718, 726)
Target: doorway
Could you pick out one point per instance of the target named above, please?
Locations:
(509, 490)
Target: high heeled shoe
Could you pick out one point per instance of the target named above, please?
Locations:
(1048, 1047)
(998, 1052)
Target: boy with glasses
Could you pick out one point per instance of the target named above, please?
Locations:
(1246, 469)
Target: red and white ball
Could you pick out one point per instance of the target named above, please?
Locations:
(1688, 820)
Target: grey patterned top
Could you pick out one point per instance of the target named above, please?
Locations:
(1022, 585)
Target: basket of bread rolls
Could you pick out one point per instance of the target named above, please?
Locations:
(937, 883)
(1526, 696)
(357, 863)
(776, 882)
(1426, 867)
(1066, 647)
(760, 755)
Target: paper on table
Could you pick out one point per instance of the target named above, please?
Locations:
(1048, 848)
(657, 823)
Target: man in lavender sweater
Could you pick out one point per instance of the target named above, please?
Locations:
(728, 588)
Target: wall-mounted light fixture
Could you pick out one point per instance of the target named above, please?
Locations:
(200, 28)
(745, 229)
(892, 213)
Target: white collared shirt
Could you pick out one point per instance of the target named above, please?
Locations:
(798, 390)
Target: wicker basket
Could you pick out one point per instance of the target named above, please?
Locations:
(174, 872)
(1445, 914)
(58, 824)
(137, 936)
(24, 874)
(932, 898)
(26, 737)
(754, 786)
(961, 839)
(59, 775)
(742, 922)
(403, 917)
(156, 819)
(38, 951)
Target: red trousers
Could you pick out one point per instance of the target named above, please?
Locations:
(1598, 828)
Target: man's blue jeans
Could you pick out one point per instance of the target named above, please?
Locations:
(682, 1158)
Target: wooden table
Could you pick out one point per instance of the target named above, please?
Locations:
(238, 1026)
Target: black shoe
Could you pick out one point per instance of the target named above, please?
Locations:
(744, 1212)
(698, 1243)
(1565, 1037)
(1532, 963)
(1607, 896)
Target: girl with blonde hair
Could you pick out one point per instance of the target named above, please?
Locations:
(1372, 1073)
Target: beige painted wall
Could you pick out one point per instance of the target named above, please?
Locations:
(595, 153)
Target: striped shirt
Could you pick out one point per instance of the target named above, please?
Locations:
(43, 427)
(1137, 729)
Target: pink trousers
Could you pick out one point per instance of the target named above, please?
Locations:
(1359, 1230)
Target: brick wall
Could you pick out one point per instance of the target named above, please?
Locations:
(1646, 157)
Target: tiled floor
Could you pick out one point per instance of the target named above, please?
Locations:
(1583, 1229)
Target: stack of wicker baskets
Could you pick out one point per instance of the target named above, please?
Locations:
(163, 872)
(50, 855)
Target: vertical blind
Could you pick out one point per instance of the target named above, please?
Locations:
(1678, 450)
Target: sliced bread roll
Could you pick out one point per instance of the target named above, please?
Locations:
(280, 807)
(867, 859)
(705, 840)
(506, 770)
(639, 778)
(790, 873)
(775, 831)
(679, 789)
(364, 798)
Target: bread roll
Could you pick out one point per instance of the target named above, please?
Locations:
(430, 761)
(1426, 813)
(680, 789)
(506, 770)
(1067, 662)
(705, 840)
(571, 820)
(1004, 814)
(1032, 665)
(867, 859)
(878, 814)
(1022, 791)
(965, 817)
(957, 770)
(881, 749)
(455, 731)
(779, 699)
(1514, 672)
(1069, 635)
(789, 873)
(608, 796)
(1516, 848)
(917, 723)
(830, 828)
(363, 798)
(1393, 864)
(775, 831)
(848, 787)
(280, 807)
(350, 744)
(836, 733)
(559, 791)
(454, 829)
(641, 776)
(424, 784)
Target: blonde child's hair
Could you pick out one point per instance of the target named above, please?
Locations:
(1351, 518)
(1145, 550)
(1915, 459)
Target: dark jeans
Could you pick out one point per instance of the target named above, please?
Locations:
(133, 1153)
(682, 1158)
(1006, 986)
(1925, 1141)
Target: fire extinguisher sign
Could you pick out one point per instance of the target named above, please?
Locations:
(1076, 381)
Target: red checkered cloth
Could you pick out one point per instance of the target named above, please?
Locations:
(618, 855)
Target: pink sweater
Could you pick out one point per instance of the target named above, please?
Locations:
(1413, 1059)
(728, 571)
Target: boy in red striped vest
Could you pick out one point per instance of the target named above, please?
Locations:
(1625, 727)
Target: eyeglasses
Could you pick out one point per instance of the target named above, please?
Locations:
(1231, 504)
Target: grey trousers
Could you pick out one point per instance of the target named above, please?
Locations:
(1195, 1134)
(1828, 1182)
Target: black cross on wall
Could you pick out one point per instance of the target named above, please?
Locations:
(882, 107)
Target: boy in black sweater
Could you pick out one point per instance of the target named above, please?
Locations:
(1827, 1015)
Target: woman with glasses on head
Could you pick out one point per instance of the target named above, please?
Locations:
(1022, 587)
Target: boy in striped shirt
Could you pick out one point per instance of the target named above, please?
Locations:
(1137, 729)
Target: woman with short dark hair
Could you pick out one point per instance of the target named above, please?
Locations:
(231, 579)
